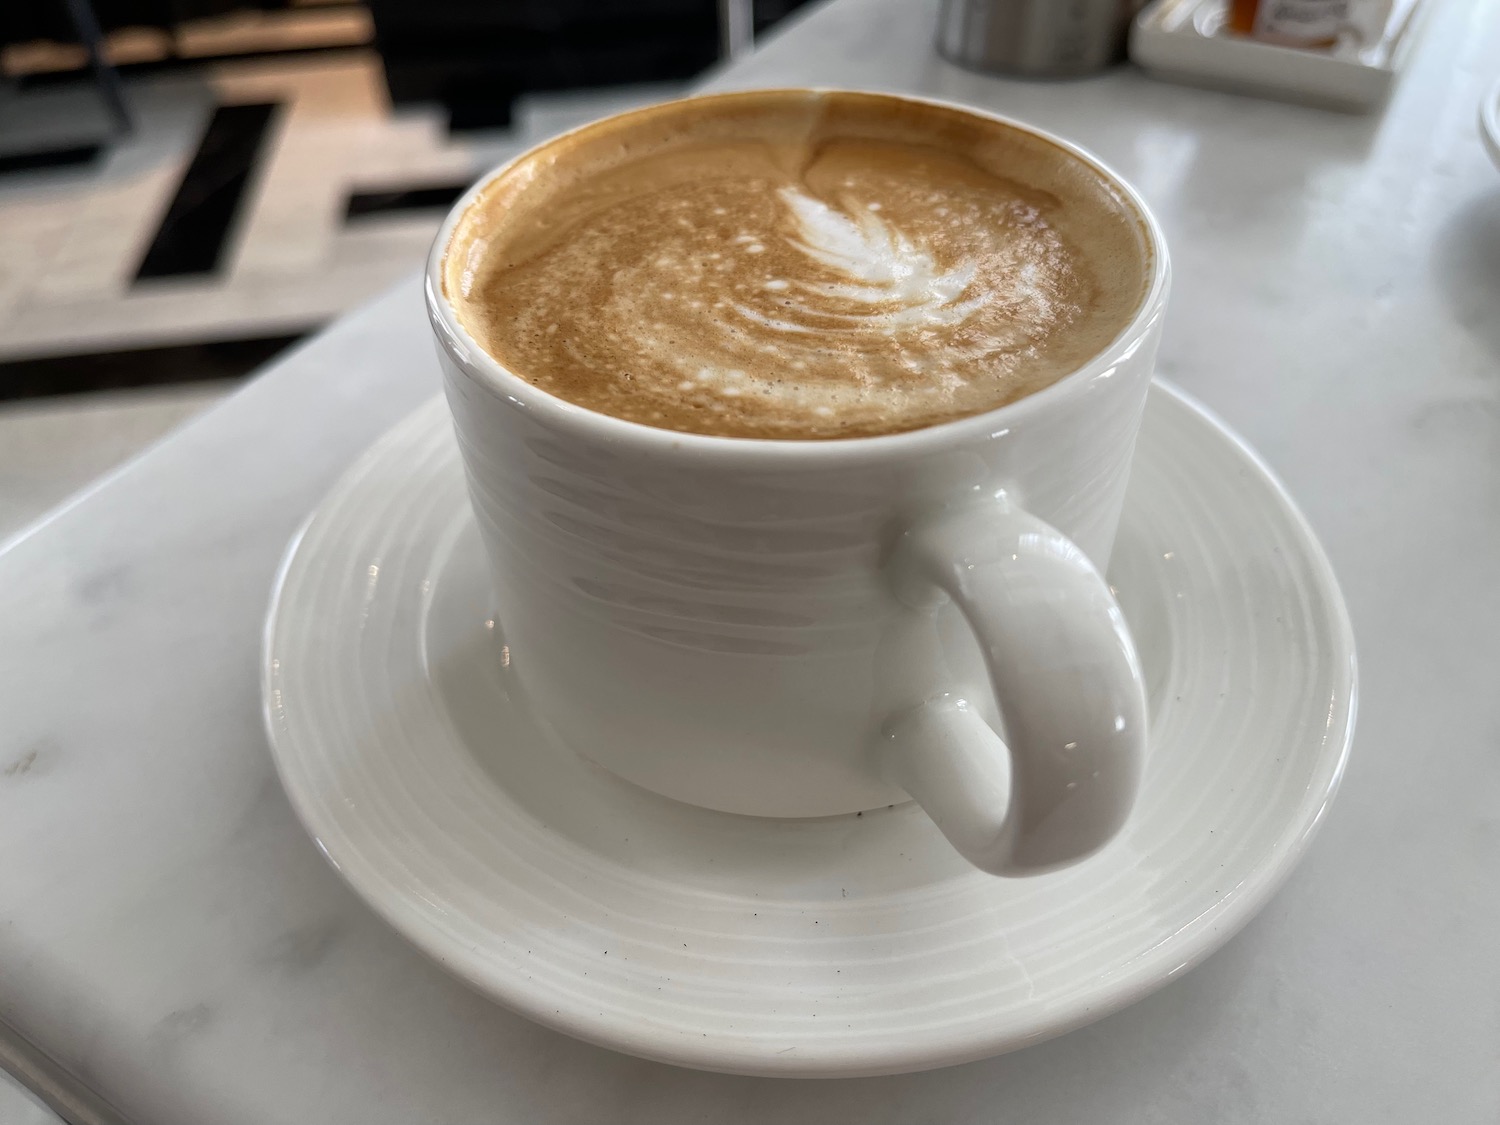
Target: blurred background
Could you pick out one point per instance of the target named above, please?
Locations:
(187, 187)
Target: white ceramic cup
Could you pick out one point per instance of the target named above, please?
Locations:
(811, 628)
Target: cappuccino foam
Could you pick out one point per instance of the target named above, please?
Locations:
(789, 264)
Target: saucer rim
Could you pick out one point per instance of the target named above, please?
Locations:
(1186, 948)
(1489, 122)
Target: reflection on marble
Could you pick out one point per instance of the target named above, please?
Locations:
(52, 447)
(19, 1106)
(169, 934)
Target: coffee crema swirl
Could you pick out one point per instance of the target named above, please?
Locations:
(796, 265)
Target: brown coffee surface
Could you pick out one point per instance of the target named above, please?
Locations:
(790, 264)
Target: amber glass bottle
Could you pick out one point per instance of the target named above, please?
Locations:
(1290, 23)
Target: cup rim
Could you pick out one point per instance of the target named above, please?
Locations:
(559, 414)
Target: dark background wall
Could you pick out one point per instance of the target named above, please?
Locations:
(475, 56)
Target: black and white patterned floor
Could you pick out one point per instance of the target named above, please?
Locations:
(253, 201)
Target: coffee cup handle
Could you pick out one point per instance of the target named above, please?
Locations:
(1065, 673)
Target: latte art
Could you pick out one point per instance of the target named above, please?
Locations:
(796, 281)
(887, 286)
(888, 275)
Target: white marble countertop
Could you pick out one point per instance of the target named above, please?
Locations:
(173, 946)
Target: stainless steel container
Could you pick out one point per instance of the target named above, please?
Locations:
(1035, 38)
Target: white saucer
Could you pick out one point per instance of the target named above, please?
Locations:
(1489, 122)
(842, 946)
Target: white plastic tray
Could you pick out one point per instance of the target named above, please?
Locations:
(1183, 41)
